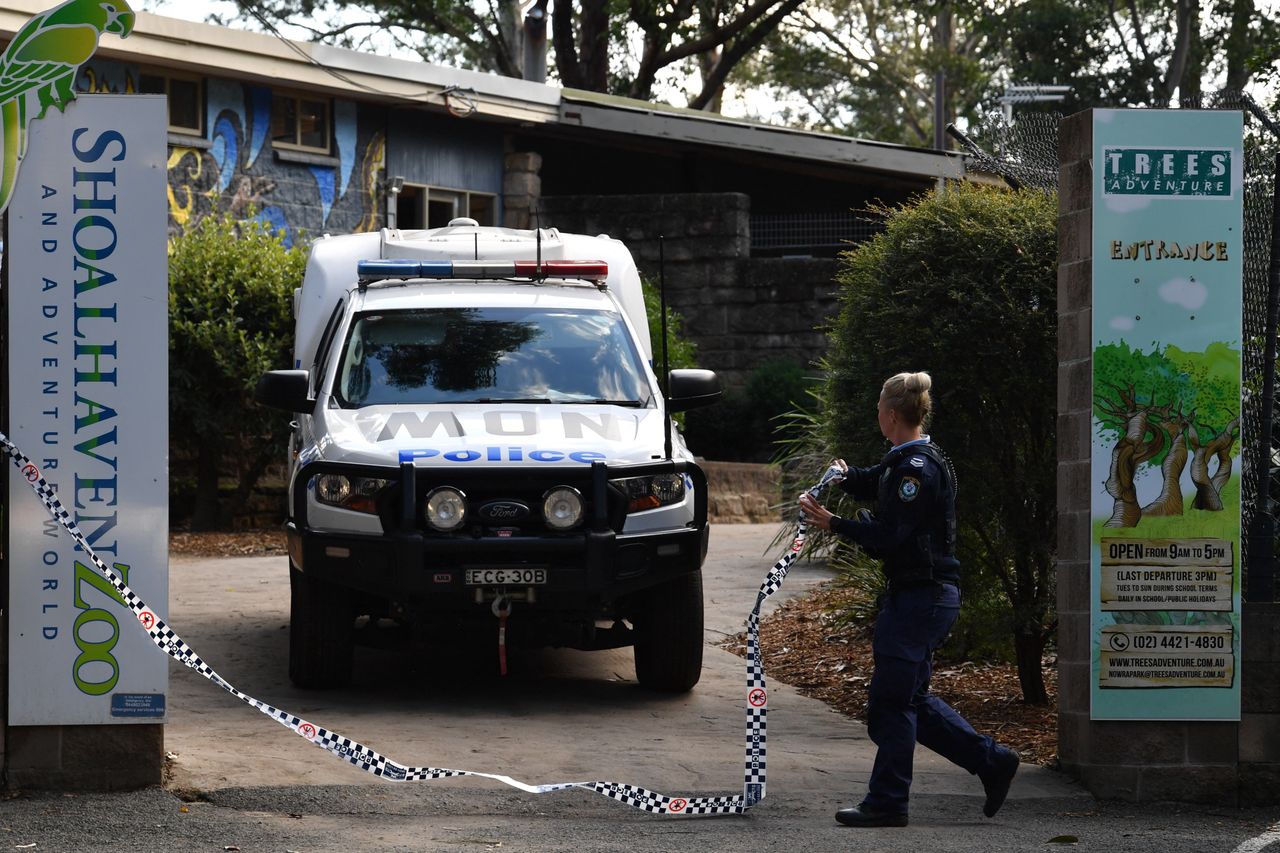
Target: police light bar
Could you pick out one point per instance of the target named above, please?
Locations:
(381, 270)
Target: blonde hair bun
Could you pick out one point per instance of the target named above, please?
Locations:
(908, 395)
(917, 382)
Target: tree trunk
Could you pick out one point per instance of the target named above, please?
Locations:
(1209, 489)
(1028, 645)
(1238, 44)
(582, 62)
(1170, 500)
(1125, 512)
(205, 514)
(250, 473)
(1221, 447)
(1206, 495)
(1130, 452)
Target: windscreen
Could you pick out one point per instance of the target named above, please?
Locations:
(488, 355)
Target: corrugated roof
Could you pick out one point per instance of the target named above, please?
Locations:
(223, 51)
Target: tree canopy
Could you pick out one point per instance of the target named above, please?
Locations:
(610, 46)
(1206, 383)
(867, 68)
(861, 67)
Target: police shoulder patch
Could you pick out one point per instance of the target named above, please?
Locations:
(908, 488)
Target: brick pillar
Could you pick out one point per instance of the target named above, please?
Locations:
(1075, 366)
(1260, 703)
(521, 188)
(85, 758)
(1222, 762)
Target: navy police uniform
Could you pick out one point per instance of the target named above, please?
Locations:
(913, 531)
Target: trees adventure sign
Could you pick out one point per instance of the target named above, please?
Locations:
(1167, 250)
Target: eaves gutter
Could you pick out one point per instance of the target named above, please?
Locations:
(638, 118)
(216, 51)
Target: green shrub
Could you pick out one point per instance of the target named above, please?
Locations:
(681, 351)
(747, 425)
(963, 283)
(230, 320)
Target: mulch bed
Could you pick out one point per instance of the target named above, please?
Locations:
(244, 543)
(807, 647)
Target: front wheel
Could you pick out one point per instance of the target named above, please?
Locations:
(668, 645)
(321, 638)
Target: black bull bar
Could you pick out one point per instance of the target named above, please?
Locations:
(598, 544)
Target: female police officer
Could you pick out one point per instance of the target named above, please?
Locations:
(913, 532)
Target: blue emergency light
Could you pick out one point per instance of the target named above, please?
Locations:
(403, 269)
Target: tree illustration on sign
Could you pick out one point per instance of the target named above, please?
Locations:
(1161, 407)
(38, 70)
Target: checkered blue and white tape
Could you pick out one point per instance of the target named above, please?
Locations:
(371, 761)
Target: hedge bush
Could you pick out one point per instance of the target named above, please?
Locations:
(230, 320)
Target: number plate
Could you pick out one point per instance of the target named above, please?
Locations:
(506, 577)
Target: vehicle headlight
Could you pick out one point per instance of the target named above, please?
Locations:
(652, 492)
(446, 508)
(355, 493)
(562, 508)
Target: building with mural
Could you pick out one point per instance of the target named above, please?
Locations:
(314, 139)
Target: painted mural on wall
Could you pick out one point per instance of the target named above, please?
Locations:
(237, 171)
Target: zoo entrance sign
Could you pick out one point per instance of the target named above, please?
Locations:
(1165, 506)
(87, 382)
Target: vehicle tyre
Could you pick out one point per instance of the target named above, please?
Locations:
(321, 633)
(668, 645)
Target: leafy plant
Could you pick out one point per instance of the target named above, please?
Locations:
(747, 424)
(681, 351)
(230, 320)
(962, 283)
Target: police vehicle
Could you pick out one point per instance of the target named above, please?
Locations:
(481, 443)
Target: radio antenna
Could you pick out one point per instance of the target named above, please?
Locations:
(477, 236)
(666, 367)
(538, 224)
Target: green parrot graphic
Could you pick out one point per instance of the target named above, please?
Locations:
(39, 67)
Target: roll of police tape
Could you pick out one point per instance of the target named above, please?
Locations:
(371, 761)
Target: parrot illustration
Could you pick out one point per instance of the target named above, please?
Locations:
(38, 70)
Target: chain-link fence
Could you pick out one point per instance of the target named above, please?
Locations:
(811, 233)
(1025, 154)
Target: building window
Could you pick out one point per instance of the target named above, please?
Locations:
(431, 207)
(185, 97)
(300, 122)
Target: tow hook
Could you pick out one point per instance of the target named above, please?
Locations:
(502, 609)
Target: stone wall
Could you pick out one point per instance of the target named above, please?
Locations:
(84, 758)
(740, 311)
(521, 188)
(1220, 762)
(742, 492)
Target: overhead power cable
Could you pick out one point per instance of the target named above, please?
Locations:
(465, 96)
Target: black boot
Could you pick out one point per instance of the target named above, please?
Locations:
(863, 816)
(996, 780)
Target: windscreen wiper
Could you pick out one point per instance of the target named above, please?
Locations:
(631, 404)
(507, 400)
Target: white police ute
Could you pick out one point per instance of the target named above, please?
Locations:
(480, 437)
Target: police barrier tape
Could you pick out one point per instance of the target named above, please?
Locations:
(370, 761)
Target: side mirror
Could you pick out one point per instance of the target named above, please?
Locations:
(692, 389)
(284, 389)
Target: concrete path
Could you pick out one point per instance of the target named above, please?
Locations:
(247, 784)
(561, 715)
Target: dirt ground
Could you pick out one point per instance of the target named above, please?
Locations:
(808, 649)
